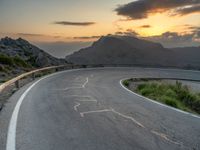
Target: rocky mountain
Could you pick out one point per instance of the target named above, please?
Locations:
(126, 50)
(17, 56)
(28, 52)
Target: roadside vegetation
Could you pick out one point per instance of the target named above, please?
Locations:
(15, 61)
(175, 95)
(10, 66)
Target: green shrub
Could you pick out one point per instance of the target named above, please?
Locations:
(171, 102)
(20, 62)
(6, 60)
(141, 86)
(177, 95)
(126, 83)
(170, 93)
(13, 61)
(146, 91)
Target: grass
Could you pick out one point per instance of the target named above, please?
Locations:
(175, 95)
(15, 61)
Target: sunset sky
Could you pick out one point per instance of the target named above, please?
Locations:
(62, 26)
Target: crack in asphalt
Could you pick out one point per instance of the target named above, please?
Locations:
(165, 137)
(82, 114)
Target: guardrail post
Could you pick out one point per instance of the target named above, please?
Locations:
(33, 76)
(17, 84)
(57, 69)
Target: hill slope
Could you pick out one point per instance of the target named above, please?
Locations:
(133, 51)
(19, 55)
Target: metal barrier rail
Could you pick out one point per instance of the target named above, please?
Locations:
(32, 73)
(18, 78)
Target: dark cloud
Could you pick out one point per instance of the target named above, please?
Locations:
(141, 9)
(86, 37)
(145, 26)
(174, 39)
(68, 23)
(128, 32)
(188, 10)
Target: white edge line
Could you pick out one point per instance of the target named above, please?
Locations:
(153, 101)
(11, 135)
(10, 144)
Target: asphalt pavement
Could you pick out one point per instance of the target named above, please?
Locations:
(88, 109)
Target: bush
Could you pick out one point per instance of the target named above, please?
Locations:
(141, 86)
(146, 91)
(177, 95)
(170, 93)
(6, 60)
(126, 83)
(13, 61)
(171, 103)
(20, 62)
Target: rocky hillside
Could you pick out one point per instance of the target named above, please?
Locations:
(133, 51)
(19, 55)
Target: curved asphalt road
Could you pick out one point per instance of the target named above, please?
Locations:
(89, 110)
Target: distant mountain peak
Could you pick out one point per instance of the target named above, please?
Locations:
(120, 50)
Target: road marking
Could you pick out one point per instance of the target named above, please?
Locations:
(165, 137)
(145, 98)
(76, 106)
(11, 136)
(11, 143)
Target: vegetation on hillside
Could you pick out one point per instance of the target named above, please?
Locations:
(175, 95)
(15, 61)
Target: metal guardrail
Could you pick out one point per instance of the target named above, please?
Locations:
(31, 73)
(71, 66)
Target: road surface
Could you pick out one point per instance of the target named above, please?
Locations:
(88, 109)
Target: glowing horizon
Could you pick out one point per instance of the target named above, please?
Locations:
(86, 20)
